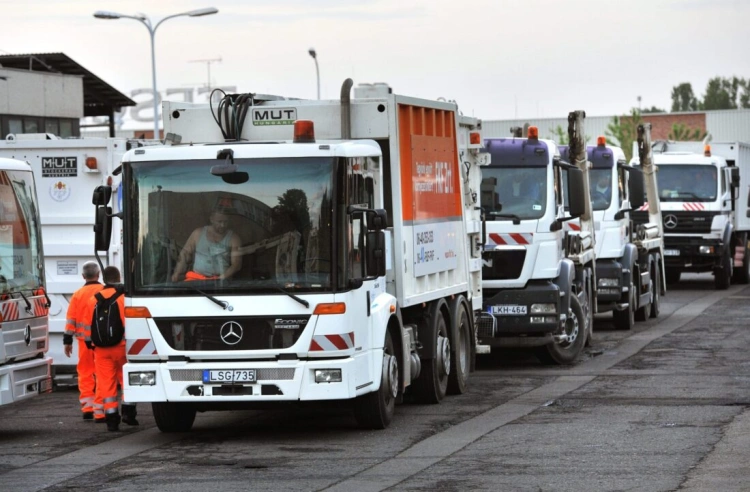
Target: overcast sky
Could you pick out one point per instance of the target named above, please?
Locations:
(497, 58)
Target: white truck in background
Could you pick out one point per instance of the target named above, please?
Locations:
(66, 172)
(24, 338)
(360, 260)
(703, 190)
(629, 260)
(534, 292)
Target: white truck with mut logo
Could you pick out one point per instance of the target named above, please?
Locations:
(24, 368)
(335, 254)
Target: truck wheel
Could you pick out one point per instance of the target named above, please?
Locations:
(461, 356)
(588, 307)
(432, 383)
(656, 298)
(625, 319)
(644, 311)
(673, 275)
(566, 353)
(375, 410)
(742, 275)
(173, 417)
(723, 275)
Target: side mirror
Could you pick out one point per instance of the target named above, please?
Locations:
(576, 192)
(102, 195)
(377, 220)
(102, 228)
(375, 252)
(735, 177)
(636, 189)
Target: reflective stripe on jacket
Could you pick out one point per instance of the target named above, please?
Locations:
(74, 320)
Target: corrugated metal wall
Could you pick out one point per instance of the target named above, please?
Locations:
(728, 126)
(595, 126)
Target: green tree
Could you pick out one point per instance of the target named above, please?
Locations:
(559, 135)
(623, 131)
(683, 98)
(724, 93)
(653, 109)
(682, 133)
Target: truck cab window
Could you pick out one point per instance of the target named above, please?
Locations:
(360, 189)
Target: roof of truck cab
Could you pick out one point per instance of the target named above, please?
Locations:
(13, 165)
(246, 150)
(686, 158)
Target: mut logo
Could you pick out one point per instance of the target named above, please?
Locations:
(275, 116)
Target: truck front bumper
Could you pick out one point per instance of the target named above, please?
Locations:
(693, 254)
(532, 328)
(22, 380)
(292, 380)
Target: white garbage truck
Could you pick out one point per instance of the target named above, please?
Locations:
(703, 190)
(24, 339)
(629, 259)
(286, 250)
(536, 275)
(67, 171)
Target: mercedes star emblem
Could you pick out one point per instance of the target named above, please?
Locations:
(670, 221)
(27, 335)
(231, 333)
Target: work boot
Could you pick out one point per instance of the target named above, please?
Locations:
(88, 415)
(128, 414)
(113, 422)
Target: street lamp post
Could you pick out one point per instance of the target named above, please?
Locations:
(317, 70)
(142, 18)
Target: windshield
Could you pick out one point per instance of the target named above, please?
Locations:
(600, 181)
(20, 241)
(519, 191)
(687, 183)
(191, 230)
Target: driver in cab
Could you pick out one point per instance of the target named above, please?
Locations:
(602, 190)
(212, 250)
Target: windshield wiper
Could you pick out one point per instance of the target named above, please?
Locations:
(222, 304)
(298, 299)
(689, 193)
(516, 218)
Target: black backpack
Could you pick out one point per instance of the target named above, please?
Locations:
(107, 329)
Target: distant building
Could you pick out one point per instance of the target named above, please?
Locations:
(723, 125)
(50, 93)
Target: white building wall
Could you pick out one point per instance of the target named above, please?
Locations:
(595, 126)
(728, 126)
(40, 94)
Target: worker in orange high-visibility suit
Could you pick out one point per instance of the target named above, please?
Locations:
(110, 359)
(74, 327)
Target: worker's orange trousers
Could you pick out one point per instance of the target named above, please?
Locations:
(109, 362)
(86, 378)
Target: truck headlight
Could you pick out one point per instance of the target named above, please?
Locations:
(327, 375)
(143, 378)
(543, 308)
(608, 282)
(706, 250)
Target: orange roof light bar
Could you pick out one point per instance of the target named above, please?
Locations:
(91, 163)
(475, 138)
(533, 132)
(137, 312)
(601, 141)
(330, 308)
(707, 151)
(304, 131)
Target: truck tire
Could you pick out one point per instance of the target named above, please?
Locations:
(742, 275)
(723, 275)
(625, 319)
(432, 383)
(673, 275)
(375, 410)
(565, 354)
(656, 299)
(173, 417)
(589, 313)
(458, 379)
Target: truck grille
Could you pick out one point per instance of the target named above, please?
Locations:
(503, 264)
(219, 334)
(684, 222)
(184, 375)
